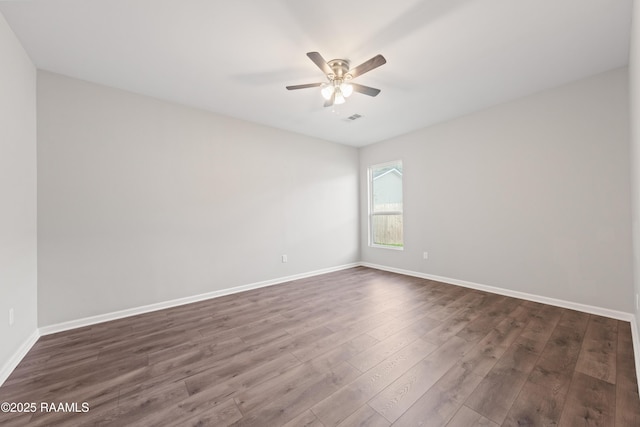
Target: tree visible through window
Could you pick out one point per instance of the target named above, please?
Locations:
(385, 205)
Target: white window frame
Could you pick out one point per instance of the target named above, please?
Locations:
(371, 214)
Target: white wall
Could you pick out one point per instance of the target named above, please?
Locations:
(529, 196)
(141, 201)
(18, 251)
(634, 90)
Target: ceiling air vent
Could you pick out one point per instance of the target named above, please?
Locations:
(353, 117)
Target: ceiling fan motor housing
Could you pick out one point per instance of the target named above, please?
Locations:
(340, 69)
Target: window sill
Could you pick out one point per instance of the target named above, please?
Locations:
(393, 248)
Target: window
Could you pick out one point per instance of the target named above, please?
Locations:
(385, 205)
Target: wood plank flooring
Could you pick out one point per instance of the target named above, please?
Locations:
(359, 347)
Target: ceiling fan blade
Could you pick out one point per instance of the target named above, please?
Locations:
(371, 91)
(369, 65)
(329, 102)
(305, 86)
(320, 62)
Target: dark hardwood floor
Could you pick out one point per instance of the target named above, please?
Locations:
(360, 347)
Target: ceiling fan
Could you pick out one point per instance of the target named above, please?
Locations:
(337, 71)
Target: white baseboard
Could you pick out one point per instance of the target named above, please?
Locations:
(11, 364)
(614, 314)
(88, 321)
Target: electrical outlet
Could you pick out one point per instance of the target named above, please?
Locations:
(425, 255)
(284, 258)
(11, 317)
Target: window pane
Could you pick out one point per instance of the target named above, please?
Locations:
(385, 205)
(387, 188)
(386, 230)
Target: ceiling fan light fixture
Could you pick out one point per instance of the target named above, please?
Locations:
(339, 97)
(346, 89)
(326, 90)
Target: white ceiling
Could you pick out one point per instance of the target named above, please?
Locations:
(445, 58)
